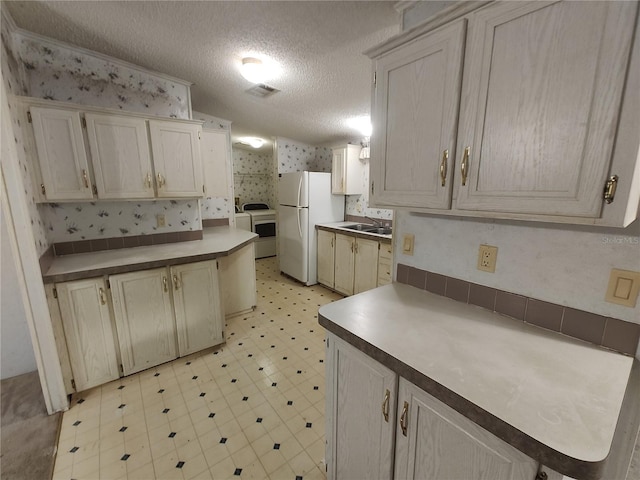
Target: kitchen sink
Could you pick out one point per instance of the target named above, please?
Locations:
(365, 227)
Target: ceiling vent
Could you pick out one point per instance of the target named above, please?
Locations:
(261, 90)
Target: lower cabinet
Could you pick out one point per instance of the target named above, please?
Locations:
(356, 264)
(144, 319)
(326, 258)
(381, 426)
(87, 322)
(197, 306)
(238, 285)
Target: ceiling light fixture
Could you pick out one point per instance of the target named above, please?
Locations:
(253, 70)
(361, 124)
(254, 142)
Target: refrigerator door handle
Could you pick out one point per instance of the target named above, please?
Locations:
(299, 192)
(298, 211)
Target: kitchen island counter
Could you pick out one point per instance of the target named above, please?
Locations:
(570, 405)
(216, 242)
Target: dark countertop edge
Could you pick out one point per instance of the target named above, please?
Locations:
(136, 267)
(545, 455)
(356, 233)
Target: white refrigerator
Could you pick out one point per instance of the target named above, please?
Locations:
(305, 199)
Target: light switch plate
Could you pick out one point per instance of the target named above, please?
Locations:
(623, 288)
(407, 244)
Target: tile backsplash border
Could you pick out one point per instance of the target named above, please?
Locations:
(607, 332)
(114, 243)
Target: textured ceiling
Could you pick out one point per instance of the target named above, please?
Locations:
(318, 45)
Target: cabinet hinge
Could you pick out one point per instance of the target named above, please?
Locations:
(55, 292)
(121, 369)
(73, 384)
(378, 245)
(375, 79)
(29, 119)
(95, 190)
(199, 136)
(203, 191)
(84, 122)
(610, 188)
(372, 187)
(217, 265)
(43, 189)
(108, 284)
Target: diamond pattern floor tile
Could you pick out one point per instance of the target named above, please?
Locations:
(251, 408)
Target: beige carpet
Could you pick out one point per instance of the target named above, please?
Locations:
(28, 435)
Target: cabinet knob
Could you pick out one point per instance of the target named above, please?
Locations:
(103, 297)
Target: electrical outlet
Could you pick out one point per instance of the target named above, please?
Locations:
(487, 256)
(160, 220)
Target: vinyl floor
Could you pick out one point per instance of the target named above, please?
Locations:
(251, 408)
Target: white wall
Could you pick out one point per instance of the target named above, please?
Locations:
(562, 264)
(16, 351)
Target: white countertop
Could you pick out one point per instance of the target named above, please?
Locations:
(216, 241)
(562, 392)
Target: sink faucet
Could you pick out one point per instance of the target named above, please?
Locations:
(376, 223)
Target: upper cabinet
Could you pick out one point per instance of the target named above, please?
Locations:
(64, 165)
(176, 157)
(216, 159)
(347, 170)
(530, 125)
(121, 156)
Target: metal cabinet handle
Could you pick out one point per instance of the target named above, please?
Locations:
(403, 418)
(103, 297)
(160, 181)
(443, 167)
(464, 166)
(356, 243)
(176, 282)
(331, 242)
(165, 284)
(85, 178)
(147, 180)
(385, 406)
(352, 246)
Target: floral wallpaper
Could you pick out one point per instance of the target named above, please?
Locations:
(359, 204)
(67, 222)
(13, 85)
(252, 177)
(299, 157)
(216, 207)
(57, 72)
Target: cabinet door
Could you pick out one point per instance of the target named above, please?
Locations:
(344, 263)
(360, 420)
(541, 96)
(441, 443)
(338, 169)
(61, 154)
(415, 114)
(365, 275)
(385, 264)
(120, 156)
(87, 327)
(196, 298)
(238, 280)
(176, 158)
(326, 258)
(216, 160)
(144, 318)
